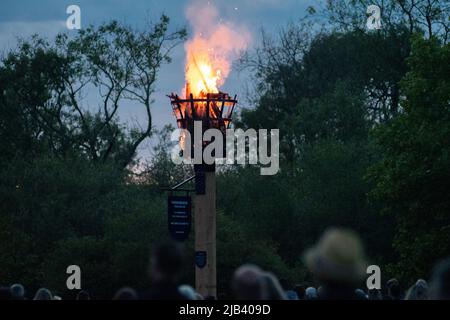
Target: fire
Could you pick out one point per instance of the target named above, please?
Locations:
(201, 76)
(211, 50)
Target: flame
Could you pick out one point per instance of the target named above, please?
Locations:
(201, 75)
(211, 50)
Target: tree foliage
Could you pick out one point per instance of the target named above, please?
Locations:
(412, 178)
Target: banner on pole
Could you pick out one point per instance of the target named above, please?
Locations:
(179, 217)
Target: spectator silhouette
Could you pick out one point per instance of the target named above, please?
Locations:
(311, 293)
(187, 292)
(291, 294)
(43, 294)
(337, 262)
(440, 281)
(166, 261)
(361, 294)
(17, 292)
(83, 295)
(393, 290)
(419, 291)
(274, 290)
(300, 290)
(375, 294)
(248, 283)
(126, 293)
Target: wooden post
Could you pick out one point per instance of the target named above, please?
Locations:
(205, 237)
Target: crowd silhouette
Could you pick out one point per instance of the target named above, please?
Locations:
(337, 263)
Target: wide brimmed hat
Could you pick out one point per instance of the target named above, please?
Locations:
(337, 257)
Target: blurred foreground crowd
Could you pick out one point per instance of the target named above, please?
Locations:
(337, 263)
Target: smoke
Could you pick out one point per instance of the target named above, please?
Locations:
(215, 43)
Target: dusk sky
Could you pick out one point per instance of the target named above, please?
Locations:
(22, 18)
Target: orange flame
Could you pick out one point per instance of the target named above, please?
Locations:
(209, 54)
(201, 76)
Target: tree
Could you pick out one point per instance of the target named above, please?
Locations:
(49, 82)
(296, 72)
(161, 171)
(65, 197)
(122, 64)
(325, 91)
(428, 16)
(27, 78)
(412, 177)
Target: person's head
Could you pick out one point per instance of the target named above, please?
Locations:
(187, 292)
(126, 294)
(311, 293)
(440, 281)
(166, 261)
(393, 289)
(198, 296)
(248, 284)
(320, 292)
(17, 291)
(83, 295)
(337, 258)
(361, 294)
(43, 294)
(375, 294)
(419, 291)
(273, 286)
(300, 289)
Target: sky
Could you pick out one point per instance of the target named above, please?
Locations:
(23, 18)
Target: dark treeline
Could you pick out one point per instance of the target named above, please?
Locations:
(365, 140)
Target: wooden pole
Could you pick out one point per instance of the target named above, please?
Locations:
(205, 237)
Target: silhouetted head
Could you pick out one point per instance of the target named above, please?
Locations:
(300, 289)
(43, 294)
(375, 294)
(126, 294)
(311, 293)
(248, 283)
(166, 261)
(440, 281)
(17, 291)
(419, 291)
(393, 288)
(274, 289)
(83, 295)
(361, 294)
(338, 258)
(188, 292)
